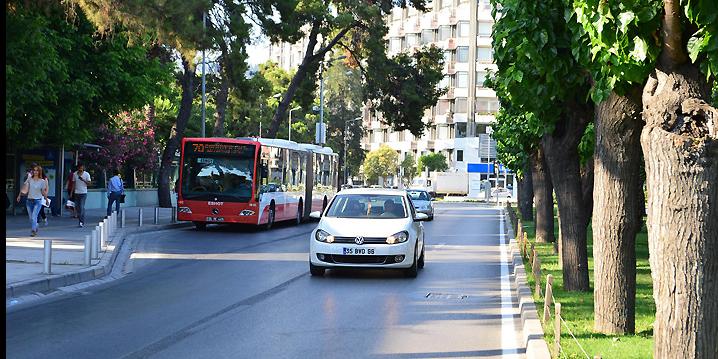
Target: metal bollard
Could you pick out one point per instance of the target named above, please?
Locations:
(122, 218)
(106, 228)
(96, 243)
(140, 217)
(102, 235)
(47, 257)
(87, 249)
(174, 215)
(157, 215)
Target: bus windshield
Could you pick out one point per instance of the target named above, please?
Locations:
(218, 171)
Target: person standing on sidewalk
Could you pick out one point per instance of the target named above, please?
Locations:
(42, 213)
(115, 190)
(82, 179)
(70, 185)
(36, 190)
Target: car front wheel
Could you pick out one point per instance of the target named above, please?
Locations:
(316, 271)
(412, 271)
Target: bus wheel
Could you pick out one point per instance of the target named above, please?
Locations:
(270, 216)
(201, 226)
(300, 211)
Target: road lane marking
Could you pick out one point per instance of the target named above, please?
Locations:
(509, 341)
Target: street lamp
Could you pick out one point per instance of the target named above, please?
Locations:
(320, 126)
(346, 178)
(290, 121)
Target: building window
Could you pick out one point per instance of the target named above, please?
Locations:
(443, 107)
(432, 133)
(480, 78)
(463, 29)
(484, 55)
(460, 105)
(446, 3)
(401, 136)
(444, 32)
(459, 155)
(395, 44)
(460, 130)
(485, 29)
(462, 54)
(480, 129)
(451, 133)
(428, 36)
(448, 56)
(386, 135)
(411, 40)
(484, 105)
(462, 80)
(445, 82)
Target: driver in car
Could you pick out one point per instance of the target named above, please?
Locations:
(389, 209)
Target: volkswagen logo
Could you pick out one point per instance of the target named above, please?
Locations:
(215, 211)
(359, 240)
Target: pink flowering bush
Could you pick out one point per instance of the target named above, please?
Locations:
(128, 141)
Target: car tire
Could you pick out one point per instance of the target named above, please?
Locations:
(316, 271)
(200, 226)
(431, 218)
(412, 271)
(420, 263)
(270, 216)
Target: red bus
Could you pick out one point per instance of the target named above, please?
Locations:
(253, 181)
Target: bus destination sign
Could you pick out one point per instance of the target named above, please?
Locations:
(221, 148)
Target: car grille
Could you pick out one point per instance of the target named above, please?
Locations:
(367, 240)
(338, 258)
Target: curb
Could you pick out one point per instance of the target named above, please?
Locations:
(97, 271)
(533, 335)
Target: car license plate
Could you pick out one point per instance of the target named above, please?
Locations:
(215, 219)
(358, 251)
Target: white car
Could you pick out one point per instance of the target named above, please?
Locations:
(368, 228)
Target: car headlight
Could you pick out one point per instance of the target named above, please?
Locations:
(323, 236)
(399, 237)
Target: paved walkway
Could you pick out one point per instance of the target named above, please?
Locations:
(24, 254)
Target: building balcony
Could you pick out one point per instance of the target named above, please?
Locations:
(449, 95)
(451, 44)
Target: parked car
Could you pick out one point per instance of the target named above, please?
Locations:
(422, 202)
(501, 192)
(346, 186)
(368, 228)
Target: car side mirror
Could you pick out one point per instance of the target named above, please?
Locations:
(420, 217)
(315, 215)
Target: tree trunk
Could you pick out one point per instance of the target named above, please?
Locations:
(176, 134)
(543, 195)
(615, 211)
(680, 146)
(526, 193)
(563, 161)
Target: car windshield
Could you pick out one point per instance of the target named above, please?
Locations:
(367, 206)
(418, 195)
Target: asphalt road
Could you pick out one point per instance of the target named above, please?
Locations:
(245, 293)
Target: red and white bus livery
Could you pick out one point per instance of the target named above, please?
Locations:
(253, 181)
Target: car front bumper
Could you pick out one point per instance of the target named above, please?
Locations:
(334, 255)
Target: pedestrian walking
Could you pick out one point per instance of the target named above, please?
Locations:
(42, 216)
(115, 191)
(35, 188)
(82, 179)
(70, 186)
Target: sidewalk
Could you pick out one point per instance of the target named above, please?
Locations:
(24, 254)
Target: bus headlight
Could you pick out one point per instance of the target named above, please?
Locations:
(246, 212)
(184, 210)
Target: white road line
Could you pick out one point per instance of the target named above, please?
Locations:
(509, 342)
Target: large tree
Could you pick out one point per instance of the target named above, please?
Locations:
(357, 29)
(65, 80)
(538, 74)
(381, 162)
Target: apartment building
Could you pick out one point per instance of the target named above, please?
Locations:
(460, 122)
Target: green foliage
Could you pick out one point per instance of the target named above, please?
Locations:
(517, 137)
(403, 87)
(615, 41)
(409, 166)
(65, 80)
(703, 43)
(435, 161)
(381, 162)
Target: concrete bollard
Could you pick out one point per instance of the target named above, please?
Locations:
(96, 243)
(103, 239)
(47, 257)
(88, 249)
(157, 215)
(122, 218)
(140, 217)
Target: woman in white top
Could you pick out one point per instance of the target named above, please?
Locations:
(36, 189)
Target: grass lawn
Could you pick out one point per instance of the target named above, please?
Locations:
(577, 307)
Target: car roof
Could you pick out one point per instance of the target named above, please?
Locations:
(386, 191)
(416, 190)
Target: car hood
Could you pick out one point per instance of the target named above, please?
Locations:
(350, 227)
(418, 203)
